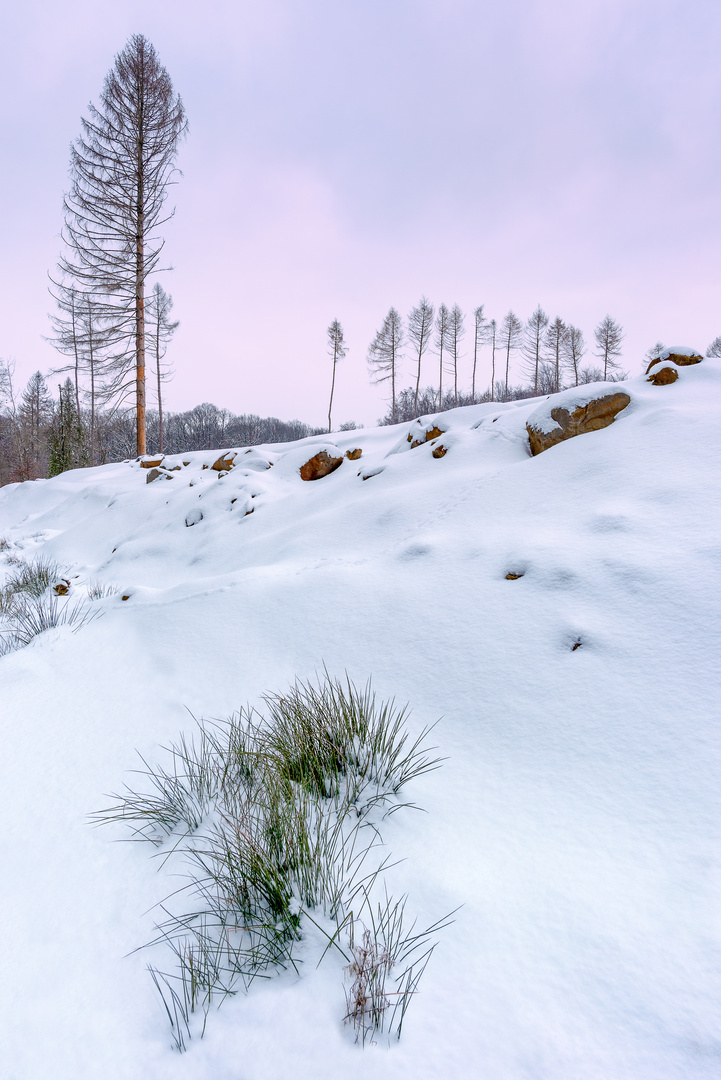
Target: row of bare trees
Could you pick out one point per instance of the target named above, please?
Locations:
(551, 351)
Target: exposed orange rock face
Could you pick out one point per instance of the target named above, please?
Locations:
(319, 466)
(663, 376)
(427, 436)
(595, 415)
(151, 463)
(353, 455)
(440, 451)
(224, 462)
(682, 359)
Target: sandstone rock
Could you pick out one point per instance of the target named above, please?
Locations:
(353, 455)
(427, 436)
(150, 463)
(592, 416)
(61, 588)
(662, 376)
(440, 451)
(677, 354)
(319, 466)
(224, 462)
(513, 577)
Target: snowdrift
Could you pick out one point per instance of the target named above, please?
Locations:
(558, 613)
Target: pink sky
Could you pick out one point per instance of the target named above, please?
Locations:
(344, 157)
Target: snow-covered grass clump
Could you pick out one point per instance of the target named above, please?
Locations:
(277, 818)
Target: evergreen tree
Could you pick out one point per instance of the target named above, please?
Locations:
(68, 448)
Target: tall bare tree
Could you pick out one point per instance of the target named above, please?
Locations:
(511, 330)
(420, 327)
(384, 353)
(161, 329)
(714, 348)
(608, 335)
(443, 321)
(456, 330)
(532, 346)
(121, 168)
(492, 335)
(481, 332)
(573, 348)
(337, 349)
(555, 341)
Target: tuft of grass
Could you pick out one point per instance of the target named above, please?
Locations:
(98, 590)
(28, 607)
(276, 816)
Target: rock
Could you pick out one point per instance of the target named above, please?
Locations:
(224, 462)
(353, 455)
(510, 576)
(61, 588)
(125, 596)
(193, 518)
(152, 475)
(427, 436)
(677, 354)
(440, 451)
(591, 416)
(319, 466)
(150, 463)
(662, 376)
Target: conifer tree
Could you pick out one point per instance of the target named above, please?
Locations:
(337, 349)
(443, 319)
(384, 353)
(456, 330)
(609, 335)
(481, 330)
(121, 167)
(532, 346)
(511, 329)
(420, 327)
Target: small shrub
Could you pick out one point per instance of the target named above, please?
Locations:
(28, 607)
(277, 818)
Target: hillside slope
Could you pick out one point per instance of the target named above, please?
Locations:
(575, 818)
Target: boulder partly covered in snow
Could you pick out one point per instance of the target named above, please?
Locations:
(574, 412)
(320, 465)
(662, 373)
(677, 354)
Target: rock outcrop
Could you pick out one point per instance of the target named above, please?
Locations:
(224, 462)
(353, 455)
(320, 465)
(662, 374)
(677, 354)
(589, 416)
(424, 436)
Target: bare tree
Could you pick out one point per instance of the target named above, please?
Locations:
(443, 319)
(420, 326)
(481, 331)
(384, 353)
(555, 338)
(456, 330)
(654, 352)
(714, 348)
(532, 347)
(609, 335)
(573, 349)
(162, 329)
(121, 168)
(511, 330)
(337, 349)
(34, 414)
(492, 334)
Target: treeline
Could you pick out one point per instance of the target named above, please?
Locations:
(41, 435)
(553, 353)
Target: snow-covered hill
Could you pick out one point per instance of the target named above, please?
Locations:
(576, 818)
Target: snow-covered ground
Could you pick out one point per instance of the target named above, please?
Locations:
(576, 817)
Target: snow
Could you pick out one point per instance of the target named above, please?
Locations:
(576, 817)
(678, 350)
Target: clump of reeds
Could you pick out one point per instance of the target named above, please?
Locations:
(277, 815)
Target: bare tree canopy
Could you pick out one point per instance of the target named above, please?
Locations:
(555, 340)
(420, 326)
(511, 329)
(456, 330)
(609, 335)
(161, 330)
(337, 349)
(532, 347)
(574, 348)
(443, 322)
(480, 336)
(121, 168)
(384, 353)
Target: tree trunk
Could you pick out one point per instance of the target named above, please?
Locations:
(332, 388)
